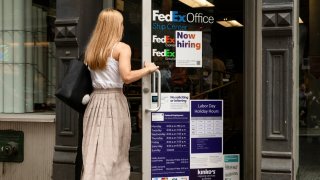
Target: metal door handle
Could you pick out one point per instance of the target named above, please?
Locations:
(159, 94)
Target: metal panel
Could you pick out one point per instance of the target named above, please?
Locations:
(275, 161)
(277, 72)
(250, 90)
(74, 24)
(278, 65)
(11, 146)
(277, 176)
(39, 140)
(276, 90)
(146, 85)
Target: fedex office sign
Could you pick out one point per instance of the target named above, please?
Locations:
(172, 17)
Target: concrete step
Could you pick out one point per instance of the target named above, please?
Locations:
(136, 139)
(135, 176)
(135, 157)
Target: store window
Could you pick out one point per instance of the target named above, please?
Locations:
(132, 13)
(216, 74)
(27, 56)
(219, 77)
(309, 92)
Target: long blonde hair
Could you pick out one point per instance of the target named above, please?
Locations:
(108, 31)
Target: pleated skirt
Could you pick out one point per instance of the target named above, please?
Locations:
(106, 136)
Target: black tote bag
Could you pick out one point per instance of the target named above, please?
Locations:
(75, 85)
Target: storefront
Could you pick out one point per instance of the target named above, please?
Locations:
(236, 95)
(238, 54)
(201, 114)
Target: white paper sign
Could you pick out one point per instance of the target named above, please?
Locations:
(188, 48)
(206, 139)
(231, 167)
(172, 102)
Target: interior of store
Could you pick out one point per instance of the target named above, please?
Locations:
(227, 44)
(221, 74)
(309, 104)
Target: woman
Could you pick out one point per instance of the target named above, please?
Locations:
(106, 122)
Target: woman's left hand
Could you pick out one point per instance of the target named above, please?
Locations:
(151, 67)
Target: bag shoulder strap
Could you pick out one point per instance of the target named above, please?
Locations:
(113, 48)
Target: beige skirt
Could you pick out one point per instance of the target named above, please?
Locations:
(106, 136)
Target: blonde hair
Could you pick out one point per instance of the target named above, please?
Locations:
(106, 34)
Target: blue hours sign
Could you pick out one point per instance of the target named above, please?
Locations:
(187, 139)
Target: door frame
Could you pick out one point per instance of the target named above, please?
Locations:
(252, 52)
(146, 88)
(251, 87)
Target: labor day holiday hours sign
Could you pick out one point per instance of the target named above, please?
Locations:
(187, 138)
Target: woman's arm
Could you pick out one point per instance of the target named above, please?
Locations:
(128, 76)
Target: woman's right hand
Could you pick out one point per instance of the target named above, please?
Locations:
(151, 67)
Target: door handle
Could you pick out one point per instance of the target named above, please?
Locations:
(158, 93)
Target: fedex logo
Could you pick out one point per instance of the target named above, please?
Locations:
(172, 17)
(166, 39)
(164, 53)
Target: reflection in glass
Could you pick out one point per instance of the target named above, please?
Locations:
(219, 77)
(27, 60)
(309, 90)
(221, 73)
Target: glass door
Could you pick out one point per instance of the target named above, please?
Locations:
(309, 90)
(192, 109)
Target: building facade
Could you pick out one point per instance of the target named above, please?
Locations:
(259, 57)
